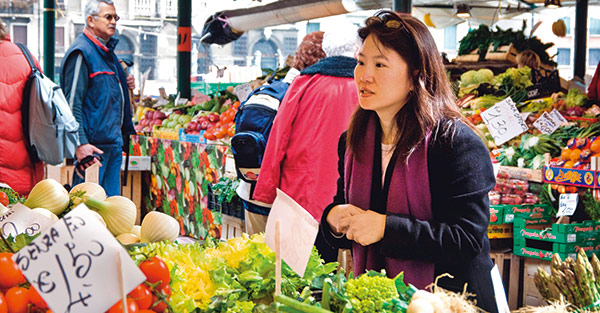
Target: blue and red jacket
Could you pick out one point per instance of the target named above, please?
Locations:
(101, 104)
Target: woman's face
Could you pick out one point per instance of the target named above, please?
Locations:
(382, 79)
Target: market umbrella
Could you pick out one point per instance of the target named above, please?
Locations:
(218, 30)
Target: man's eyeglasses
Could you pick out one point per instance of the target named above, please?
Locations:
(110, 17)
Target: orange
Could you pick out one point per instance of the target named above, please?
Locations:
(595, 147)
(569, 164)
(575, 154)
(566, 154)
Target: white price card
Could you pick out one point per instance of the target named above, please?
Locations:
(504, 121)
(557, 117)
(546, 124)
(298, 231)
(73, 265)
(242, 91)
(22, 220)
(567, 204)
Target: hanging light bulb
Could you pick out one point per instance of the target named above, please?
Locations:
(552, 4)
(463, 10)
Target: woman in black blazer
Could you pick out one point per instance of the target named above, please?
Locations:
(414, 177)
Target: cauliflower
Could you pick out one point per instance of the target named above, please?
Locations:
(370, 293)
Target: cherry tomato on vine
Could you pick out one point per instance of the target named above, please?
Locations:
(36, 299)
(3, 304)
(17, 299)
(142, 296)
(156, 270)
(11, 275)
(132, 307)
(161, 306)
(3, 199)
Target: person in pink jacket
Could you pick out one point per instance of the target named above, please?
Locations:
(313, 114)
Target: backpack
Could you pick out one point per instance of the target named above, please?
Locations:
(253, 123)
(48, 123)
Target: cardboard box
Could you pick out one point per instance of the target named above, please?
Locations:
(561, 233)
(533, 213)
(500, 231)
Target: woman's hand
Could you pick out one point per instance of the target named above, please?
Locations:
(365, 228)
(339, 212)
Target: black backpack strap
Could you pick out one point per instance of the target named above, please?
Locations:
(28, 56)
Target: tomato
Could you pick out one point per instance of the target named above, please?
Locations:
(3, 304)
(142, 295)
(11, 275)
(231, 131)
(17, 299)
(156, 270)
(36, 299)
(118, 307)
(221, 132)
(161, 306)
(3, 199)
(146, 311)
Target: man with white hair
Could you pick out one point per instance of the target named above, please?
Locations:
(96, 86)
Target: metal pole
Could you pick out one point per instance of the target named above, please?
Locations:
(402, 6)
(49, 21)
(184, 47)
(581, 12)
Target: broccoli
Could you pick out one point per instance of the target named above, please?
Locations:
(370, 293)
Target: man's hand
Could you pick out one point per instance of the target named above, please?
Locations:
(365, 228)
(85, 150)
(131, 81)
(340, 212)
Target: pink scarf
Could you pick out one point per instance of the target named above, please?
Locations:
(409, 195)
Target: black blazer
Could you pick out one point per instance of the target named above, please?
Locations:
(460, 177)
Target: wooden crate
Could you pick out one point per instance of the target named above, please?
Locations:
(473, 56)
(133, 191)
(231, 227)
(531, 296)
(509, 268)
(504, 53)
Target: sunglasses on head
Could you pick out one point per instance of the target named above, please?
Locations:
(110, 17)
(389, 20)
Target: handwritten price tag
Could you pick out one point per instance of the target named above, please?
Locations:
(546, 124)
(20, 219)
(73, 265)
(567, 204)
(557, 117)
(504, 121)
(242, 91)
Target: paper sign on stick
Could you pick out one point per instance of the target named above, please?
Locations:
(73, 265)
(567, 203)
(242, 91)
(92, 173)
(20, 219)
(298, 231)
(546, 124)
(504, 121)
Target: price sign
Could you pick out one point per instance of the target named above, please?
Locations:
(20, 219)
(557, 117)
(567, 204)
(242, 91)
(504, 121)
(298, 231)
(74, 265)
(546, 124)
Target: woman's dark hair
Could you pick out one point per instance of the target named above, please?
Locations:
(431, 103)
(310, 50)
(3, 31)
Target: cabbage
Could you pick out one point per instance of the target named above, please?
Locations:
(467, 78)
(484, 75)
